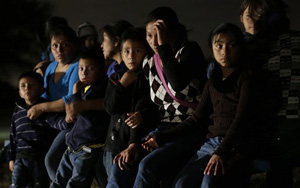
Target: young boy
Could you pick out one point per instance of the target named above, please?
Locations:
(86, 138)
(128, 102)
(29, 139)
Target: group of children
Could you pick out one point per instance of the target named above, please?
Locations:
(156, 110)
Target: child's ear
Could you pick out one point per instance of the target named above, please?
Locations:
(241, 18)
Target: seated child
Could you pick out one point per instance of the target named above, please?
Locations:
(86, 138)
(29, 139)
(128, 102)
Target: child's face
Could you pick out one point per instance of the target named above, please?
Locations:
(225, 51)
(64, 51)
(151, 36)
(107, 46)
(88, 71)
(29, 90)
(248, 22)
(133, 53)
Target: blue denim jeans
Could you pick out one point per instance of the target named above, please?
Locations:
(31, 173)
(192, 174)
(108, 158)
(100, 171)
(121, 178)
(163, 164)
(55, 154)
(76, 169)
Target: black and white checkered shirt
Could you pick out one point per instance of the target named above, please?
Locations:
(171, 110)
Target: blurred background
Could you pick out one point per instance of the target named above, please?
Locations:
(22, 25)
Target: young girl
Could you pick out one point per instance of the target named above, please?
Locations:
(225, 101)
(111, 35)
(128, 102)
(176, 75)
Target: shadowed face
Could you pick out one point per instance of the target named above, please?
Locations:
(133, 53)
(108, 47)
(248, 22)
(64, 51)
(29, 89)
(225, 50)
(88, 71)
(151, 36)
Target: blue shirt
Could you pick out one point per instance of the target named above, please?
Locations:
(114, 66)
(63, 88)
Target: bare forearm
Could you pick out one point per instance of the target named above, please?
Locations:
(53, 106)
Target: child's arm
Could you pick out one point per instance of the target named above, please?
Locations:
(12, 148)
(76, 107)
(128, 157)
(57, 121)
(238, 125)
(116, 98)
(11, 165)
(128, 78)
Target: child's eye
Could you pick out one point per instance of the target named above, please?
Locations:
(81, 68)
(54, 45)
(219, 46)
(126, 52)
(65, 44)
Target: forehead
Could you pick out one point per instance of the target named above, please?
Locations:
(60, 37)
(87, 62)
(149, 26)
(132, 44)
(27, 79)
(222, 37)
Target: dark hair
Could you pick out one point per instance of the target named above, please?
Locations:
(67, 32)
(231, 29)
(94, 54)
(137, 34)
(54, 22)
(33, 75)
(170, 17)
(268, 15)
(116, 29)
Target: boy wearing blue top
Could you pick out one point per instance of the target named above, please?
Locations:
(29, 139)
(86, 138)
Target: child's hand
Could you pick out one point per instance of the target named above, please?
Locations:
(127, 157)
(128, 78)
(34, 112)
(215, 164)
(77, 86)
(72, 111)
(150, 143)
(134, 119)
(162, 32)
(11, 165)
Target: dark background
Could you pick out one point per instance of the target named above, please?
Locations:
(22, 21)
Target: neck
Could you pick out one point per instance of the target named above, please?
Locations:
(226, 72)
(30, 102)
(118, 57)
